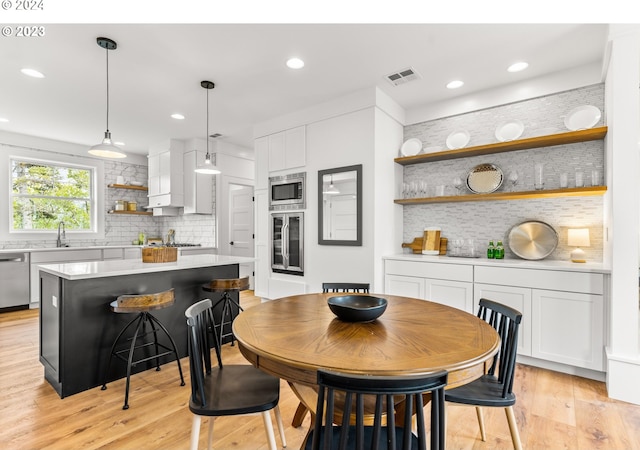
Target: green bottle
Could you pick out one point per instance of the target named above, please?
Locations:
(491, 251)
(498, 253)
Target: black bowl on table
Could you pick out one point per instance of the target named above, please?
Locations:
(357, 308)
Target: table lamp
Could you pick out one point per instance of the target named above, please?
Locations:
(578, 237)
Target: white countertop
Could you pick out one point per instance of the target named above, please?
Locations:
(513, 263)
(112, 268)
(57, 249)
(91, 247)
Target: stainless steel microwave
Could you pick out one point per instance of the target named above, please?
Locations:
(287, 192)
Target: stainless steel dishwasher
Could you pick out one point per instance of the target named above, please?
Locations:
(14, 279)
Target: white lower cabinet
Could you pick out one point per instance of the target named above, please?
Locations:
(404, 286)
(564, 324)
(563, 311)
(568, 328)
(447, 284)
(514, 297)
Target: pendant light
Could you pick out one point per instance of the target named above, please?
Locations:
(332, 189)
(207, 167)
(106, 149)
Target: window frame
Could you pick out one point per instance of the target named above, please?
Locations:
(97, 217)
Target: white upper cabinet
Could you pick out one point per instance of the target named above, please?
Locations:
(197, 186)
(287, 149)
(165, 174)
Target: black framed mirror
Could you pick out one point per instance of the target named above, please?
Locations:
(340, 206)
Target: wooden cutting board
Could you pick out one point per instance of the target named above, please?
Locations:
(416, 245)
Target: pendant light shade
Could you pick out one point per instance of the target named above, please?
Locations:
(332, 190)
(106, 148)
(207, 167)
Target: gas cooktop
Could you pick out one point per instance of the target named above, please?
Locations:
(179, 244)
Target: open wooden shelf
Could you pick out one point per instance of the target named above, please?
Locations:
(128, 186)
(550, 193)
(139, 213)
(571, 137)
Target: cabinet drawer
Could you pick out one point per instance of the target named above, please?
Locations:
(556, 280)
(132, 253)
(440, 271)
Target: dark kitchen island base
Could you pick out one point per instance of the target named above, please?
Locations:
(77, 327)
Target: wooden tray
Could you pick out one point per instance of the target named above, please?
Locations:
(416, 245)
(159, 254)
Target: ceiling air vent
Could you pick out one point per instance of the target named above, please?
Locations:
(403, 76)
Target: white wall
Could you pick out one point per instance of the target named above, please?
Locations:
(387, 218)
(623, 210)
(337, 142)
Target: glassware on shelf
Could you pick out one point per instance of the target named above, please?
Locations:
(538, 176)
(406, 190)
(414, 189)
(457, 183)
(423, 188)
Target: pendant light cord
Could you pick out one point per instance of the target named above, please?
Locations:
(208, 157)
(107, 50)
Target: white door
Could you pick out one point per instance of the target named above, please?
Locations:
(343, 224)
(240, 220)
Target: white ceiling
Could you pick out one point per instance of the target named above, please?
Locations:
(156, 71)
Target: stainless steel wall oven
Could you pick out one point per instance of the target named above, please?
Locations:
(287, 235)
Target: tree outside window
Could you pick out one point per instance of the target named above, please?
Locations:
(45, 194)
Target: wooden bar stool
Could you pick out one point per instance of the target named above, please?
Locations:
(142, 304)
(230, 307)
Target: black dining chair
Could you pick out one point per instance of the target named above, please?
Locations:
(495, 388)
(225, 390)
(346, 287)
(350, 390)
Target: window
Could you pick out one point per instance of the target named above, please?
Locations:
(43, 194)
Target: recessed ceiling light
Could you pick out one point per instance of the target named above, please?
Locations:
(295, 63)
(455, 84)
(177, 116)
(32, 73)
(2, 119)
(517, 67)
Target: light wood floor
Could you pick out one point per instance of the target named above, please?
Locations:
(554, 411)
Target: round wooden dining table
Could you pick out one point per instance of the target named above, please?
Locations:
(292, 337)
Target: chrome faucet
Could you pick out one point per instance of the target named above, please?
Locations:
(61, 241)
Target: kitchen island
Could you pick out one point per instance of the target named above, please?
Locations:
(77, 326)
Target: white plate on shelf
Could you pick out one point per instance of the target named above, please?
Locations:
(458, 139)
(484, 179)
(135, 183)
(582, 118)
(508, 131)
(411, 147)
